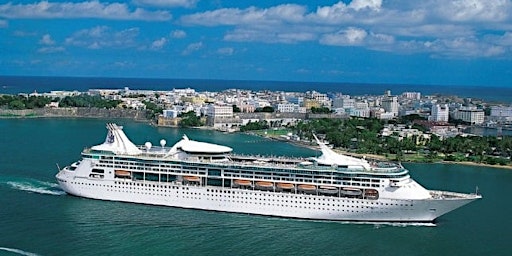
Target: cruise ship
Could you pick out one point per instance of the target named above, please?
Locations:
(206, 176)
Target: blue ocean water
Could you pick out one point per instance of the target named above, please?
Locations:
(24, 84)
(37, 218)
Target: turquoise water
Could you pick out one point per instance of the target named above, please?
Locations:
(37, 218)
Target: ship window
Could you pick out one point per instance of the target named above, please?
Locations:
(98, 170)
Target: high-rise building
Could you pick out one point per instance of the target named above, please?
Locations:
(439, 113)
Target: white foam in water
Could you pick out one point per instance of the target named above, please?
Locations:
(25, 186)
(18, 251)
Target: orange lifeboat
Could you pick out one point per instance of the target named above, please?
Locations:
(123, 173)
(285, 185)
(264, 184)
(192, 178)
(306, 187)
(243, 182)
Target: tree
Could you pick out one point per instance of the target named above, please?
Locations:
(190, 119)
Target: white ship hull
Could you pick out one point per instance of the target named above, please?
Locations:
(259, 202)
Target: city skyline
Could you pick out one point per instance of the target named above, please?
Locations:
(465, 42)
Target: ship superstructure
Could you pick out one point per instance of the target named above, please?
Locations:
(200, 175)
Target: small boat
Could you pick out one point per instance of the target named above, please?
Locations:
(328, 190)
(265, 185)
(285, 186)
(371, 194)
(123, 173)
(351, 192)
(243, 182)
(192, 178)
(306, 187)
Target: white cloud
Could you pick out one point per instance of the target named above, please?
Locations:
(178, 34)
(431, 26)
(361, 4)
(254, 35)
(46, 40)
(473, 10)
(86, 9)
(103, 37)
(227, 51)
(347, 37)
(192, 48)
(158, 44)
(251, 15)
(3, 24)
(168, 3)
(51, 49)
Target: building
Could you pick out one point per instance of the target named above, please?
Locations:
(344, 102)
(469, 115)
(219, 114)
(439, 113)
(390, 104)
(287, 107)
(411, 95)
(500, 111)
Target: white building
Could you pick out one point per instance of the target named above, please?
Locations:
(411, 95)
(390, 104)
(439, 113)
(470, 115)
(343, 101)
(218, 111)
(499, 111)
(288, 108)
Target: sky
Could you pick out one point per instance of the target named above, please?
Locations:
(438, 42)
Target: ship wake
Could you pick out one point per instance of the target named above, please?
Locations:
(36, 186)
(18, 251)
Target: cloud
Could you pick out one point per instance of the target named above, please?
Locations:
(158, 44)
(3, 23)
(401, 26)
(178, 34)
(227, 51)
(192, 48)
(168, 3)
(51, 49)
(347, 37)
(46, 40)
(86, 9)
(100, 37)
(252, 16)
(473, 10)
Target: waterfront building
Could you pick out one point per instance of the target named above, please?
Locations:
(344, 102)
(501, 111)
(470, 115)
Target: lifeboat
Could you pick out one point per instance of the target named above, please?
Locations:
(243, 182)
(265, 185)
(123, 173)
(351, 191)
(192, 178)
(371, 194)
(285, 186)
(305, 187)
(329, 190)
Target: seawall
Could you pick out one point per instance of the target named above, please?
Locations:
(76, 112)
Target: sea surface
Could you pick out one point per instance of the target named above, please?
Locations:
(38, 218)
(27, 84)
